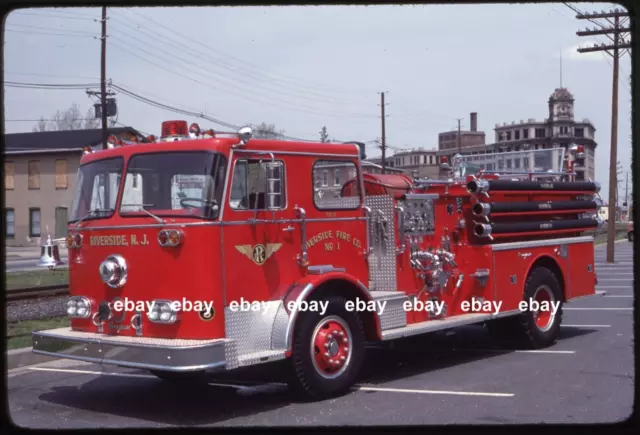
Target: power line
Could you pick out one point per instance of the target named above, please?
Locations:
(49, 33)
(249, 64)
(300, 108)
(235, 72)
(53, 28)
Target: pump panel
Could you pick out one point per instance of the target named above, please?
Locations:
(419, 215)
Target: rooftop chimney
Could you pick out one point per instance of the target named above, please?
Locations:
(474, 121)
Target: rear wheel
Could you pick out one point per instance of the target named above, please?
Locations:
(328, 351)
(533, 328)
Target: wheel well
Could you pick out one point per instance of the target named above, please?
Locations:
(552, 265)
(349, 291)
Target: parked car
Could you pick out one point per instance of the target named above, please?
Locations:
(630, 231)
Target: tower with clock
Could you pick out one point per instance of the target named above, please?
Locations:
(561, 105)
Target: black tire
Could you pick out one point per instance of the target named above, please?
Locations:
(525, 330)
(531, 333)
(311, 377)
(178, 376)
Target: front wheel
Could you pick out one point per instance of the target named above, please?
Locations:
(328, 351)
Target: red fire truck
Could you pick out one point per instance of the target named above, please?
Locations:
(279, 250)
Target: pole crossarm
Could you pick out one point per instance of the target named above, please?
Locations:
(603, 47)
(603, 31)
(613, 14)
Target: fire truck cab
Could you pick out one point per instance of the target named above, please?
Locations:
(219, 251)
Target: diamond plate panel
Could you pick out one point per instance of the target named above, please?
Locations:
(251, 330)
(348, 202)
(261, 357)
(382, 259)
(279, 334)
(394, 314)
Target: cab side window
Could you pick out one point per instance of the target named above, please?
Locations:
(343, 192)
(249, 185)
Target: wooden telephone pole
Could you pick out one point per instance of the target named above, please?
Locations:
(383, 143)
(618, 43)
(103, 79)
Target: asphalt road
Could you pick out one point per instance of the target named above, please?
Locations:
(586, 377)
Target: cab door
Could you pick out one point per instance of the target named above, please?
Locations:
(259, 241)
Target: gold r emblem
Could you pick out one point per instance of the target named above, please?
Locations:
(259, 253)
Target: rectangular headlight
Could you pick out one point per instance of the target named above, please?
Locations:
(162, 312)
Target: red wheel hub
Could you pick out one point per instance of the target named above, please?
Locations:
(331, 344)
(543, 317)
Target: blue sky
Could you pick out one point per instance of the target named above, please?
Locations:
(302, 68)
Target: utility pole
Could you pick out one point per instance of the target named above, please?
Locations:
(459, 138)
(103, 78)
(383, 145)
(618, 44)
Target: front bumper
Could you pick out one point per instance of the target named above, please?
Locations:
(176, 355)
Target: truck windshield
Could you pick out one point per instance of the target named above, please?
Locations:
(180, 183)
(97, 188)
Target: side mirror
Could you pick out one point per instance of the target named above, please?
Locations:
(275, 178)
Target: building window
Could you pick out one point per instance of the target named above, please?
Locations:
(61, 174)
(540, 132)
(34, 222)
(500, 137)
(34, 174)
(516, 134)
(10, 218)
(325, 178)
(516, 163)
(8, 175)
(336, 177)
(525, 133)
(579, 132)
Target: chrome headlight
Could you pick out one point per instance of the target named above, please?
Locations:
(113, 271)
(163, 311)
(79, 306)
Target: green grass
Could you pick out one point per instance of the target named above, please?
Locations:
(16, 280)
(28, 326)
(601, 239)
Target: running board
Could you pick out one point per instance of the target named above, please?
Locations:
(436, 325)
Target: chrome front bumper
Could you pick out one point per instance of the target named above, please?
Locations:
(175, 355)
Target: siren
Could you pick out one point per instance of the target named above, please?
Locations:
(174, 128)
(50, 254)
(444, 163)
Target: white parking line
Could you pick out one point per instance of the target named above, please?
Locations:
(628, 287)
(517, 351)
(258, 387)
(586, 326)
(454, 393)
(610, 309)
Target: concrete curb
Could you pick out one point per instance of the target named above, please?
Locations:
(23, 357)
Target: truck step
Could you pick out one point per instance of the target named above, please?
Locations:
(394, 314)
(435, 325)
(260, 357)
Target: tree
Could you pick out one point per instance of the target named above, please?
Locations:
(266, 131)
(324, 136)
(69, 119)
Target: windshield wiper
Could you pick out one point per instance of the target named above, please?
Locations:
(92, 212)
(142, 208)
